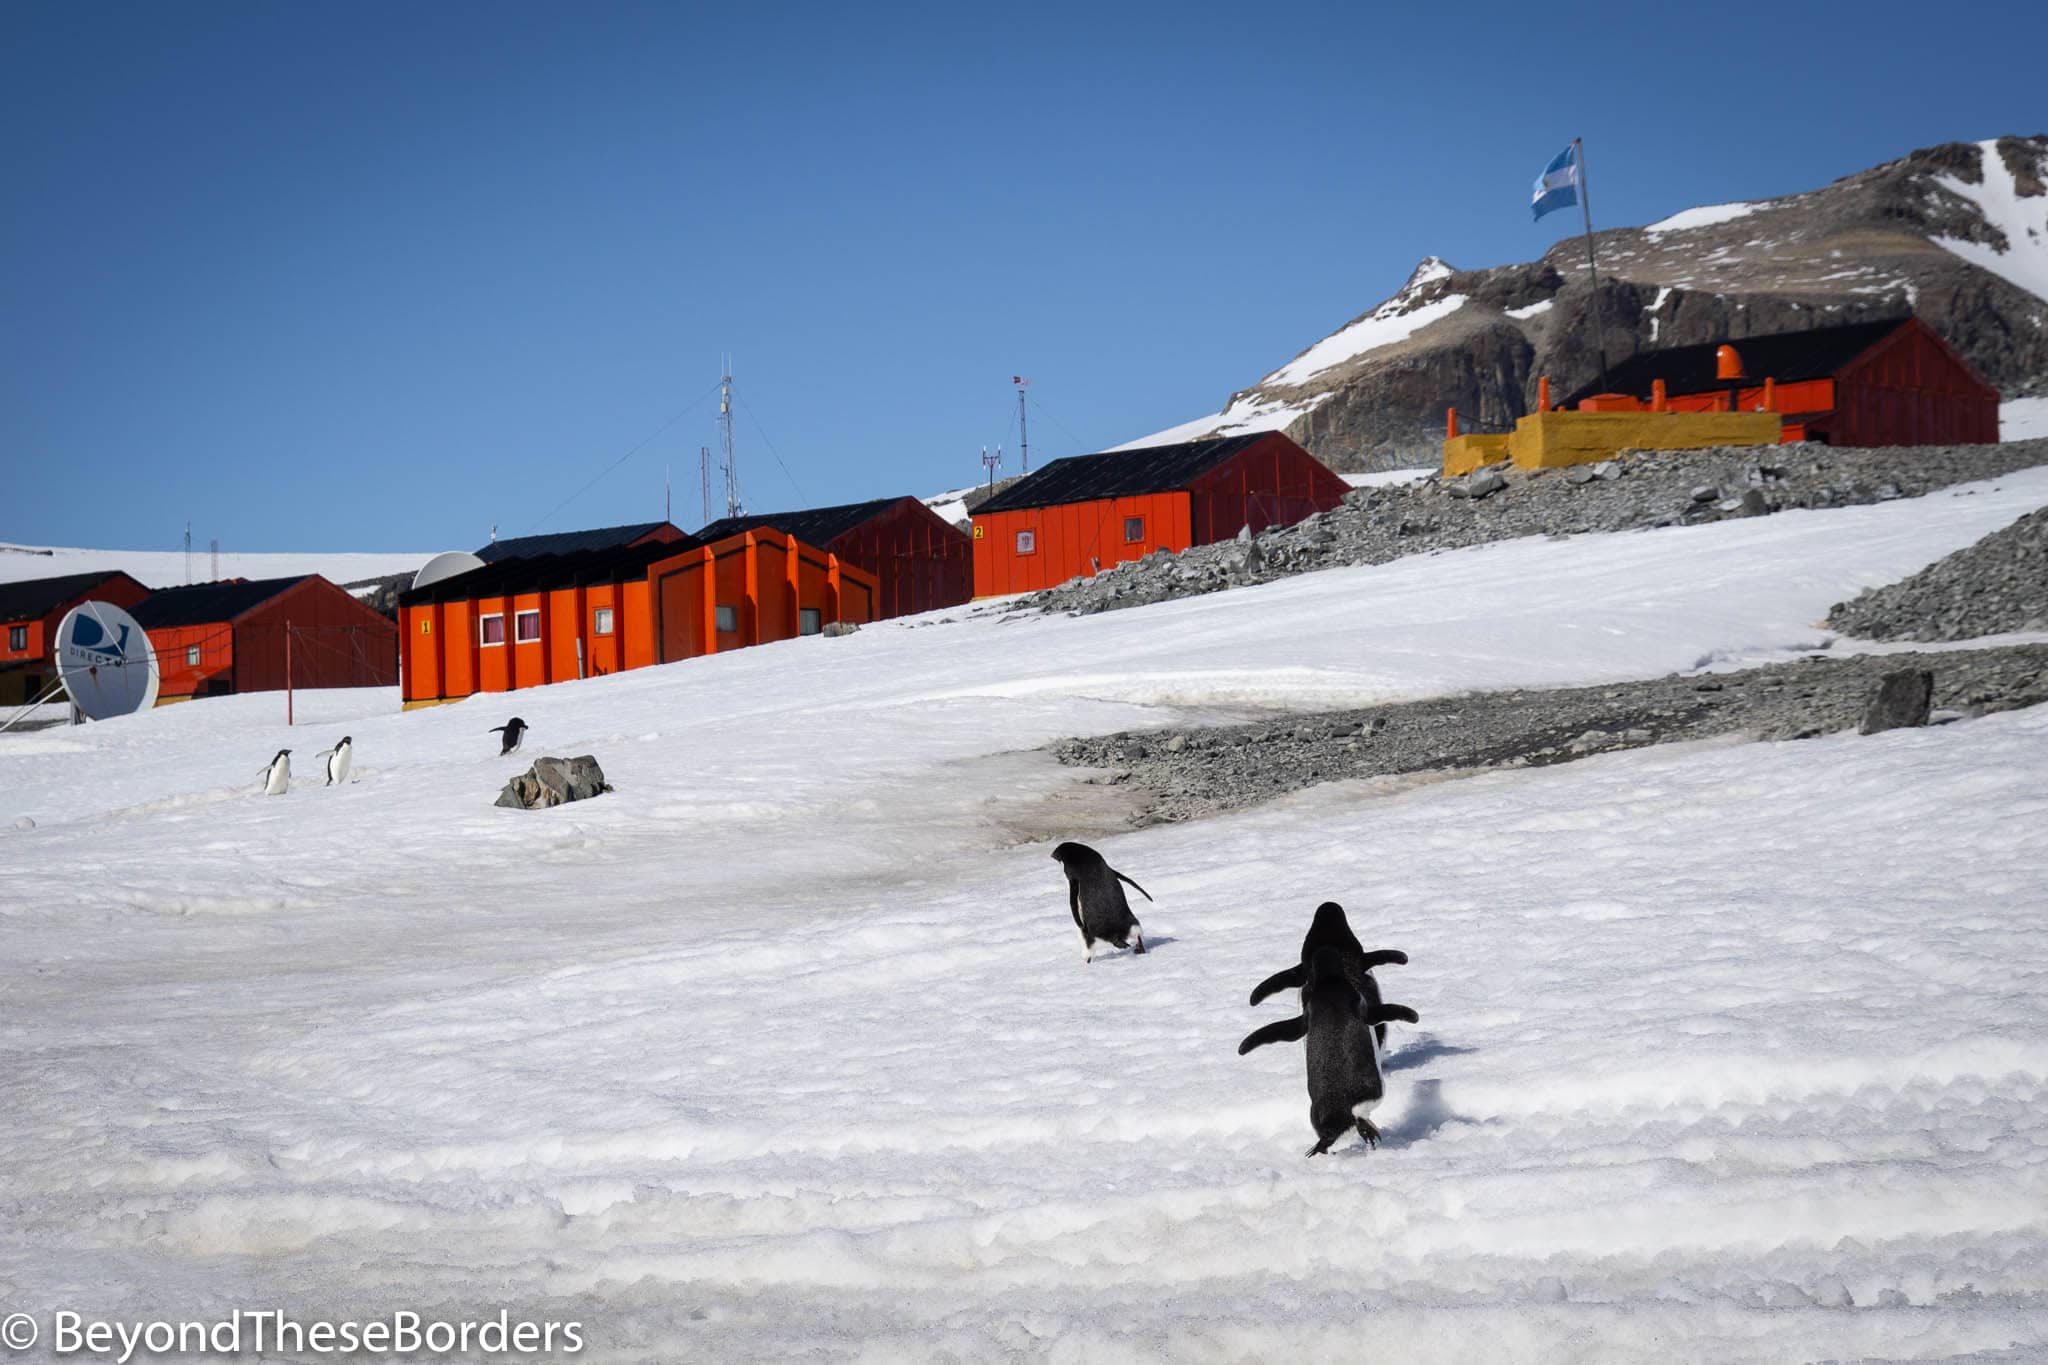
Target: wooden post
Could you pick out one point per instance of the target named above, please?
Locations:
(287, 670)
(1543, 393)
(1450, 424)
(1770, 395)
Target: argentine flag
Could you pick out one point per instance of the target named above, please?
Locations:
(1557, 187)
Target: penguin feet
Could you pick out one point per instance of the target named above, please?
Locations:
(1141, 945)
(1369, 1133)
(1319, 1148)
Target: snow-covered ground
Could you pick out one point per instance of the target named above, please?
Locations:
(166, 568)
(786, 1046)
(2022, 419)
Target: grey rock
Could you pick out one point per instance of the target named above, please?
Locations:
(1754, 504)
(1902, 699)
(554, 782)
(24, 824)
(1705, 492)
(1609, 470)
(1578, 474)
(836, 629)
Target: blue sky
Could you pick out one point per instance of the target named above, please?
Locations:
(374, 277)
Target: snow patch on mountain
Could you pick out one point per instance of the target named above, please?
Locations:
(1707, 215)
(1393, 321)
(2022, 219)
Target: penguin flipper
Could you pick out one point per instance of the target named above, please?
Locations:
(1291, 979)
(1074, 904)
(1285, 1031)
(1383, 1013)
(1141, 890)
(1386, 957)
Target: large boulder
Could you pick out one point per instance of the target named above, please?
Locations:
(554, 782)
(1902, 699)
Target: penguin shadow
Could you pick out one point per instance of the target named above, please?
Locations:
(1421, 1052)
(1153, 945)
(1427, 1113)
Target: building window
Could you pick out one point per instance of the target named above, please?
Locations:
(191, 656)
(1027, 542)
(490, 629)
(527, 623)
(17, 637)
(1134, 529)
(809, 620)
(602, 623)
(728, 618)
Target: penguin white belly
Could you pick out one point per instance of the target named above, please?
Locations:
(280, 779)
(337, 765)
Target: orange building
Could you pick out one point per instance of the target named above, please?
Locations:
(524, 622)
(1892, 383)
(1086, 513)
(921, 560)
(240, 635)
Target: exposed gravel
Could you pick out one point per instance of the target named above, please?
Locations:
(1999, 584)
(1189, 773)
(1639, 490)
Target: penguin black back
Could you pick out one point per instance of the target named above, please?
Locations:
(1095, 895)
(1345, 1080)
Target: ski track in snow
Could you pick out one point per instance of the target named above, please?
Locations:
(1728, 1051)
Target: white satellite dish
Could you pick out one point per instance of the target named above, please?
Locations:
(105, 662)
(446, 565)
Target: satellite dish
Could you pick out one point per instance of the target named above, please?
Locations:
(446, 565)
(105, 662)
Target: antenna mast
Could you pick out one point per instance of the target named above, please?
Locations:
(732, 473)
(216, 560)
(188, 552)
(1023, 431)
(704, 477)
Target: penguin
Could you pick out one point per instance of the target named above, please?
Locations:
(1345, 1081)
(513, 730)
(338, 760)
(1100, 911)
(277, 778)
(1330, 929)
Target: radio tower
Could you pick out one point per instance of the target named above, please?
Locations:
(704, 477)
(188, 552)
(1023, 431)
(732, 473)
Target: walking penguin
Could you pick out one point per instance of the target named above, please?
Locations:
(1100, 911)
(1330, 929)
(338, 759)
(1345, 1081)
(513, 730)
(277, 778)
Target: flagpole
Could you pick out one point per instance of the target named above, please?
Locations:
(1599, 319)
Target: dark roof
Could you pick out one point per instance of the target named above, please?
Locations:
(1119, 473)
(204, 603)
(33, 597)
(819, 526)
(567, 542)
(1784, 356)
(543, 573)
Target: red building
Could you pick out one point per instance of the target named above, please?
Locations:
(921, 561)
(30, 612)
(555, 617)
(1086, 513)
(1893, 383)
(239, 635)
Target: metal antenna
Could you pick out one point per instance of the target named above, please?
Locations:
(704, 477)
(1023, 430)
(188, 552)
(216, 560)
(732, 473)
(668, 501)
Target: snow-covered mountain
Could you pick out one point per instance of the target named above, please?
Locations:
(1956, 233)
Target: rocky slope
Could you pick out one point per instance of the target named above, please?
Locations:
(1957, 233)
(1640, 490)
(1187, 774)
(1999, 584)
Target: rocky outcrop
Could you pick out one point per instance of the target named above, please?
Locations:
(554, 782)
(2000, 584)
(1869, 246)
